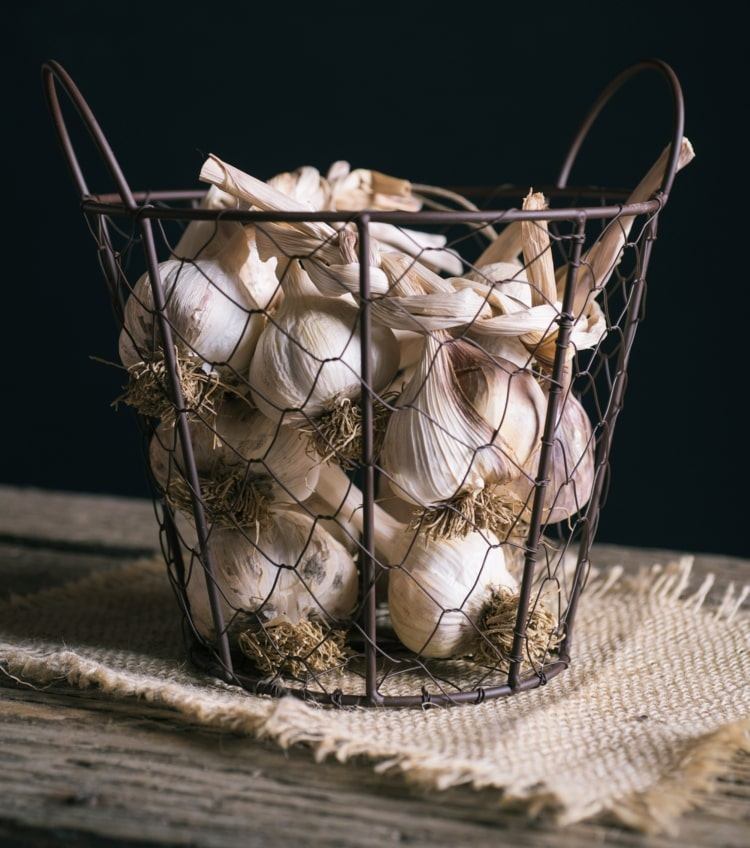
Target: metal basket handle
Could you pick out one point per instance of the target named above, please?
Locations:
(678, 117)
(53, 74)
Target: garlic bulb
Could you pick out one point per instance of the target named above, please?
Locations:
(309, 355)
(205, 239)
(291, 570)
(246, 464)
(439, 445)
(438, 588)
(209, 305)
(571, 475)
(509, 399)
(437, 596)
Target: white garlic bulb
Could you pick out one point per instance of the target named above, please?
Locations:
(289, 571)
(508, 398)
(450, 434)
(240, 441)
(209, 307)
(571, 476)
(437, 595)
(438, 588)
(206, 239)
(309, 355)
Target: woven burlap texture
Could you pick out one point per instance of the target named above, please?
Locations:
(653, 707)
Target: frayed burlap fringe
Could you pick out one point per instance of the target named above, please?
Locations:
(596, 741)
(658, 809)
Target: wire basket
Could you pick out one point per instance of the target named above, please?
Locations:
(448, 443)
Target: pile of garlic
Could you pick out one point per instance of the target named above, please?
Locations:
(265, 323)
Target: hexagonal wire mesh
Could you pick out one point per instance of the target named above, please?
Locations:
(332, 401)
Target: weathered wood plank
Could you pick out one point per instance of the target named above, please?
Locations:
(70, 765)
(33, 516)
(24, 570)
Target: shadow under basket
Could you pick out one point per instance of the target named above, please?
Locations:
(307, 552)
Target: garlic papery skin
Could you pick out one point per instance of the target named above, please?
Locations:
(328, 253)
(588, 330)
(417, 300)
(411, 345)
(437, 444)
(407, 276)
(240, 442)
(216, 315)
(306, 185)
(309, 354)
(438, 594)
(506, 278)
(536, 329)
(291, 570)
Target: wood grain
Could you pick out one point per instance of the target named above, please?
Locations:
(78, 769)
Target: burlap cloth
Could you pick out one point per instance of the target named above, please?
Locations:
(654, 706)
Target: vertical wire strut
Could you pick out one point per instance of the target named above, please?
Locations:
(368, 470)
(633, 318)
(565, 324)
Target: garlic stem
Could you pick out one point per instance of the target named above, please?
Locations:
(309, 354)
(603, 256)
(428, 248)
(260, 194)
(505, 248)
(253, 191)
(537, 253)
(345, 501)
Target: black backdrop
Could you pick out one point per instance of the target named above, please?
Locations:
(450, 94)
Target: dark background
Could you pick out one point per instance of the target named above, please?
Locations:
(463, 94)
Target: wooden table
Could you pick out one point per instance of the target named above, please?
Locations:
(82, 770)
